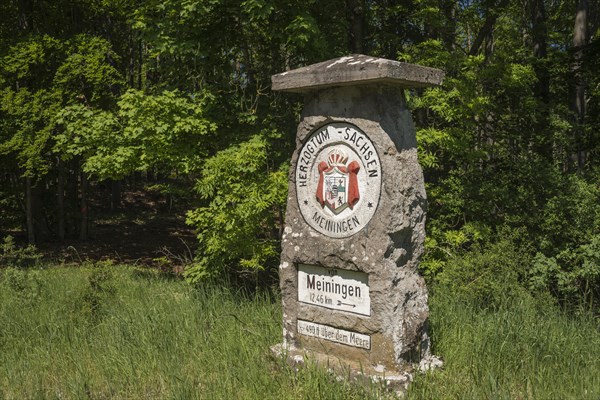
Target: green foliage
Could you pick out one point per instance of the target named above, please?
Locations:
(567, 263)
(88, 75)
(38, 77)
(25, 286)
(27, 132)
(571, 275)
(497, 149)
(147, 130)
(488, 275)
(12, 256)
(572, 216)
(261, 37)
(303, 33)
(169, 128)
(83, 133)
(239, 226)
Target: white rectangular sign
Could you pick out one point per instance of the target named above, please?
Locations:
(338, 289)
(333, 334)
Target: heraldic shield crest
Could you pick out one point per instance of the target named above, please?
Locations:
(338, 182)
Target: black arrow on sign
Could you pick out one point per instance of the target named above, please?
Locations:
(346, 304)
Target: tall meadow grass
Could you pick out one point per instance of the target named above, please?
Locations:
(525, 348)
(124, 333)
(110, 332)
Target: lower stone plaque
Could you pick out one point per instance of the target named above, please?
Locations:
(334, 334)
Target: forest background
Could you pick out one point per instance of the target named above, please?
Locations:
(96, 95)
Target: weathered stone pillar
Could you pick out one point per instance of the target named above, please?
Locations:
(354, 229)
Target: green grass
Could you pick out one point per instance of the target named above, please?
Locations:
(120, 332)
(524, 349)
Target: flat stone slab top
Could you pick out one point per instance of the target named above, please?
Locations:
(356, 69)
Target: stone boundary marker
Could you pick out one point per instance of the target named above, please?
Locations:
(354, 228)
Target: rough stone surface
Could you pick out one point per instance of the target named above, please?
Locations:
(388, 249)
(355, 70)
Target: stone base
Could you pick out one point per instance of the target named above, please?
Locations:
(396, 381)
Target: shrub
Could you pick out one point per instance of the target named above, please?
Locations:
(99, 290)
(239, 230)
(572, 275)
(18, 257)
(487, 275)
(571, 216)
(26, 286)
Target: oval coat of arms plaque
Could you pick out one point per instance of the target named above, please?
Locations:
(338, 180)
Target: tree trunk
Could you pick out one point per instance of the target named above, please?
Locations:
(115, 195)
(355, 10)
(25, 8)
(580, 39)
(150, 175)
(29, 211)
(542, 87)
(60, 201)
(83, 232)
(72, 195)
(487, 27)
(449, 32)
(131, 63)
(140, 65)
(137, 178)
